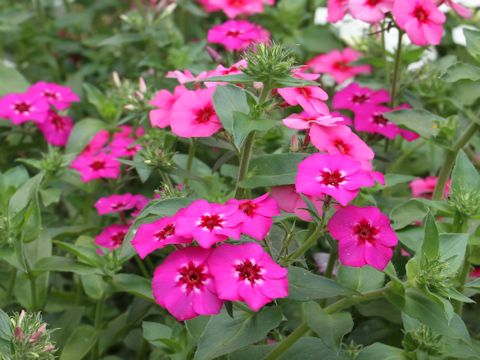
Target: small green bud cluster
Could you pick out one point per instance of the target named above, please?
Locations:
(52, 162)
(423, 339)
(465, 201)
(436, 277)
(7, 234)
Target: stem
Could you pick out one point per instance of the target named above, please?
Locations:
(142, 267)
(303, 328)
(30, 275)
(191, 155)
(394, 166)
(463, 276)
(396, 68)
(450, 159)
(332, 259)
(99, 309)
(11, 284)
(245, 155)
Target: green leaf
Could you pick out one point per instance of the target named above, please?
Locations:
(462, 71)
(311, 348)
(473, 42)
(224, 335)
(465, 176)
(360, 279)
(84, 253)
(154, 333)
(12, 81)
(244, 125)
(79, 343)
(380, 351)
(452, 250)
(122, 39)
(5, 332)
(133, 284)
(94, 286)
(423, 122)
(25, 195)
(63, 264)
(430, 246)
(106, 105)
(273, 170)
(305, 286)
(82, 133)
(331, 328)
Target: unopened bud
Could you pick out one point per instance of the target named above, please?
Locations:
(18, 334)
(49, 347)
(116, 79)
(139, 95)
(129, 107)
(38, 334)
(294, 144)
(142, 86)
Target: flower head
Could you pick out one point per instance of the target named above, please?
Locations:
(20, 108)
(365, 236)
(112, 236)
(237, 34)
(234, 8)
(337, 9)
(354, 97)
(115, 203)
(290, 201)
(56, 128)
(310, 98)
(56, 95)
(96, 166)
(425, 187)
(304, 121)
(163, 101)
(371, 11)
(247, 273)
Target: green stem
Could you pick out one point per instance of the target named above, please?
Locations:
(245, 155)
(142, 267)
(31, 277)
(191, 155)
(394, 166)
(303, 328)
(396, 69)
(98, 322)
(462, 278)
(11, 284)
(450, 160)
(332, 259)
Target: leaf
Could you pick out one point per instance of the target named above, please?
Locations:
(155, 332)
(25, 194)
(452, 250)
(465, 176)
(133, 284)
(406, 213)
(244, 125)
(473, 42)
(430, 246)
(63, 264)
(462, 71)
(87, 254)
(380, 351)
(122, 39)
(79, 343)
(360, 279)
(94, 286)
(331, 328)
(273, 170)
(310, 348)
(12, 81)
(82, 133)
(423, 122)
(305, 286)
(224, 335)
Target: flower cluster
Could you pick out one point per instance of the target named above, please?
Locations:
(44, 104)
(236, 35)
(234, 8)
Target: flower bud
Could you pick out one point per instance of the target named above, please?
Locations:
(116, 79)
(423, 339)
(214, 54)
(142, 86)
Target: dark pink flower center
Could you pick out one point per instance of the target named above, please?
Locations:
(205, 114)
(50, 94)
(117, 238)
(98, 165)
(236, 3)
(22, 107)
(305, 91)
(249, 208)
(118, 205)
(342, 146)
(166, 232)
(421, 14)
(360, 99)
(58, 122)
(234, 32)
(365, 231)
(249, 271)
(211, 222)
(192, 276)
(341, 66)
(373, 2)
(332, 178)
(379, 119)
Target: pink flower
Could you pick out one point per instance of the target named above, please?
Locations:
(291, 202)
(371, 11)
(221, 70)
(96, 166)
(339, 64)
(310, 98)
(157, 235)
(341, 140)
(337, 9)
(208, 223)
(20, 108)
(112, 236)
(365, 236)
(163, 101)
(256, 215)
(183, 284)
(305, 121)
(140, 202)
(115, 203)
(424, 187)
(233, 8)
(339, 176)
(247, 273)
(371, 119)
(459, 9)
(56, 95)
(208, 6)
(475, 272)
(421, 19)
(56, 128)
(185, 76)
(193, 114)
(237, 34)
(354, 97)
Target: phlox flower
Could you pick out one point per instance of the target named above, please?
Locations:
(247, 273)
(20, 108)
(234, 8)
(56, 95)
(371, 11)
(140, 202)
(56, 128)
(310, 98)
(354, 97)
(157, 235)
(96, 166)
(291, 202)
(183, 284)
(237, 34)
(208, 223)
(112, 236)
(475, 273)
(337, 9)
(193, 114)
(421, 19)
(364, 236)
(339, 176)
(116, 203)
(185, 76)
(163, 102)
(221, 70)
(425, 187)
(459, 9)
(208, 6)
(304, 121)
(256, 215)
(339, 64)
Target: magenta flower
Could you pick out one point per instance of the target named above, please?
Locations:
(337, 9)
(256, 216)
(459, 9)
(421, 19)
(354, 97)
(20, 108)
(185, 76)
(208, 223)
(364, 236)
(208, 6)
(305, 121)
(247, 273)
(115, 203)
(371, 11)
(157, 235)
(163, 101)
(221, 70)
(310, 98)
(56, 95)
(193, 114)
(56, 128)
(112, 236)
(425, 187)
(233, 8)
(339, 176)
(183, 284)
(291, 202)
(237, 34)
(96, 166)
(339, 64)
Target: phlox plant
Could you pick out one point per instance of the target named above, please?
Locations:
(233, 179)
